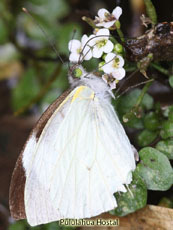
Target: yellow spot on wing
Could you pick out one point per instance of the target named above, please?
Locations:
(78, 91)
(76, 95)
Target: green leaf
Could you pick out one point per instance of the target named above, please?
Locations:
(151, 121)
(27, 89)
(167, 129)
(166, 147)
(23, 225)
(171, 81)
(146, 137)
(147, 102)
(4, 32)
(151, 11)
(132, 200)
(135, 123)
(65, 34)
(50, 9)
(170, 113)
(19, 225)
(52, 226)
(155, 169)
(125, 103)
(91, 65)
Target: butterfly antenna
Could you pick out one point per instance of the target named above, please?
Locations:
(87, 43)
(134, 86)
(45, 34)
(74, 32)
(129, 77)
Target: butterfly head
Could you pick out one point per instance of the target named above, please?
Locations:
(76, 72)
(79, 76)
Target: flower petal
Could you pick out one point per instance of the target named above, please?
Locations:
(110, 57)
(87, 53)
(117, 12)
(100, 24)
(119, 73)
(97, 53)
(101, 13)
(84, 39)
(74, 57)
(108, 47)
(73, 45)
(108, 24)
(107, 68)
(121, 61)
(112, 85)
(104, 32)
(91, 40)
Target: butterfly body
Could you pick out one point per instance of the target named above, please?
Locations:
(76, 157)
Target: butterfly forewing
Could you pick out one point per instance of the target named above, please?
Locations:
(17, 186)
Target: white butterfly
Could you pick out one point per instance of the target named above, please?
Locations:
(77, 156)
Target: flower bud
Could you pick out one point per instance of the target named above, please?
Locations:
(118, 48)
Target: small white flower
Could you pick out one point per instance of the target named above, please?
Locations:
(79, 49)
(100, 43)
(105, 19)
(113, 66)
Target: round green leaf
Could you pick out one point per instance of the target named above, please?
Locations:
(151, 121)
(132, 200)
(146, 137)
(155, 169)
(166, 147)
(167, 129)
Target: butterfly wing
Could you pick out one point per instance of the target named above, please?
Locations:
(81, 158)
(17, 186)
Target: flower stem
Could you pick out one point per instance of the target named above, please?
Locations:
(142, 94)
(160, 68)
(89, 21)
(135, 110)
(120, 33)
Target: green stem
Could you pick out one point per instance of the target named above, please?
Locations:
(135, 109)
(130, 69)
(142, 94)
(89, 21)
(121, 35)
(160, 68)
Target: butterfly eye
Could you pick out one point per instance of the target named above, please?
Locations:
(77, 72)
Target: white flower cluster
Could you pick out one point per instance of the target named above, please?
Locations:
(99, 45)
